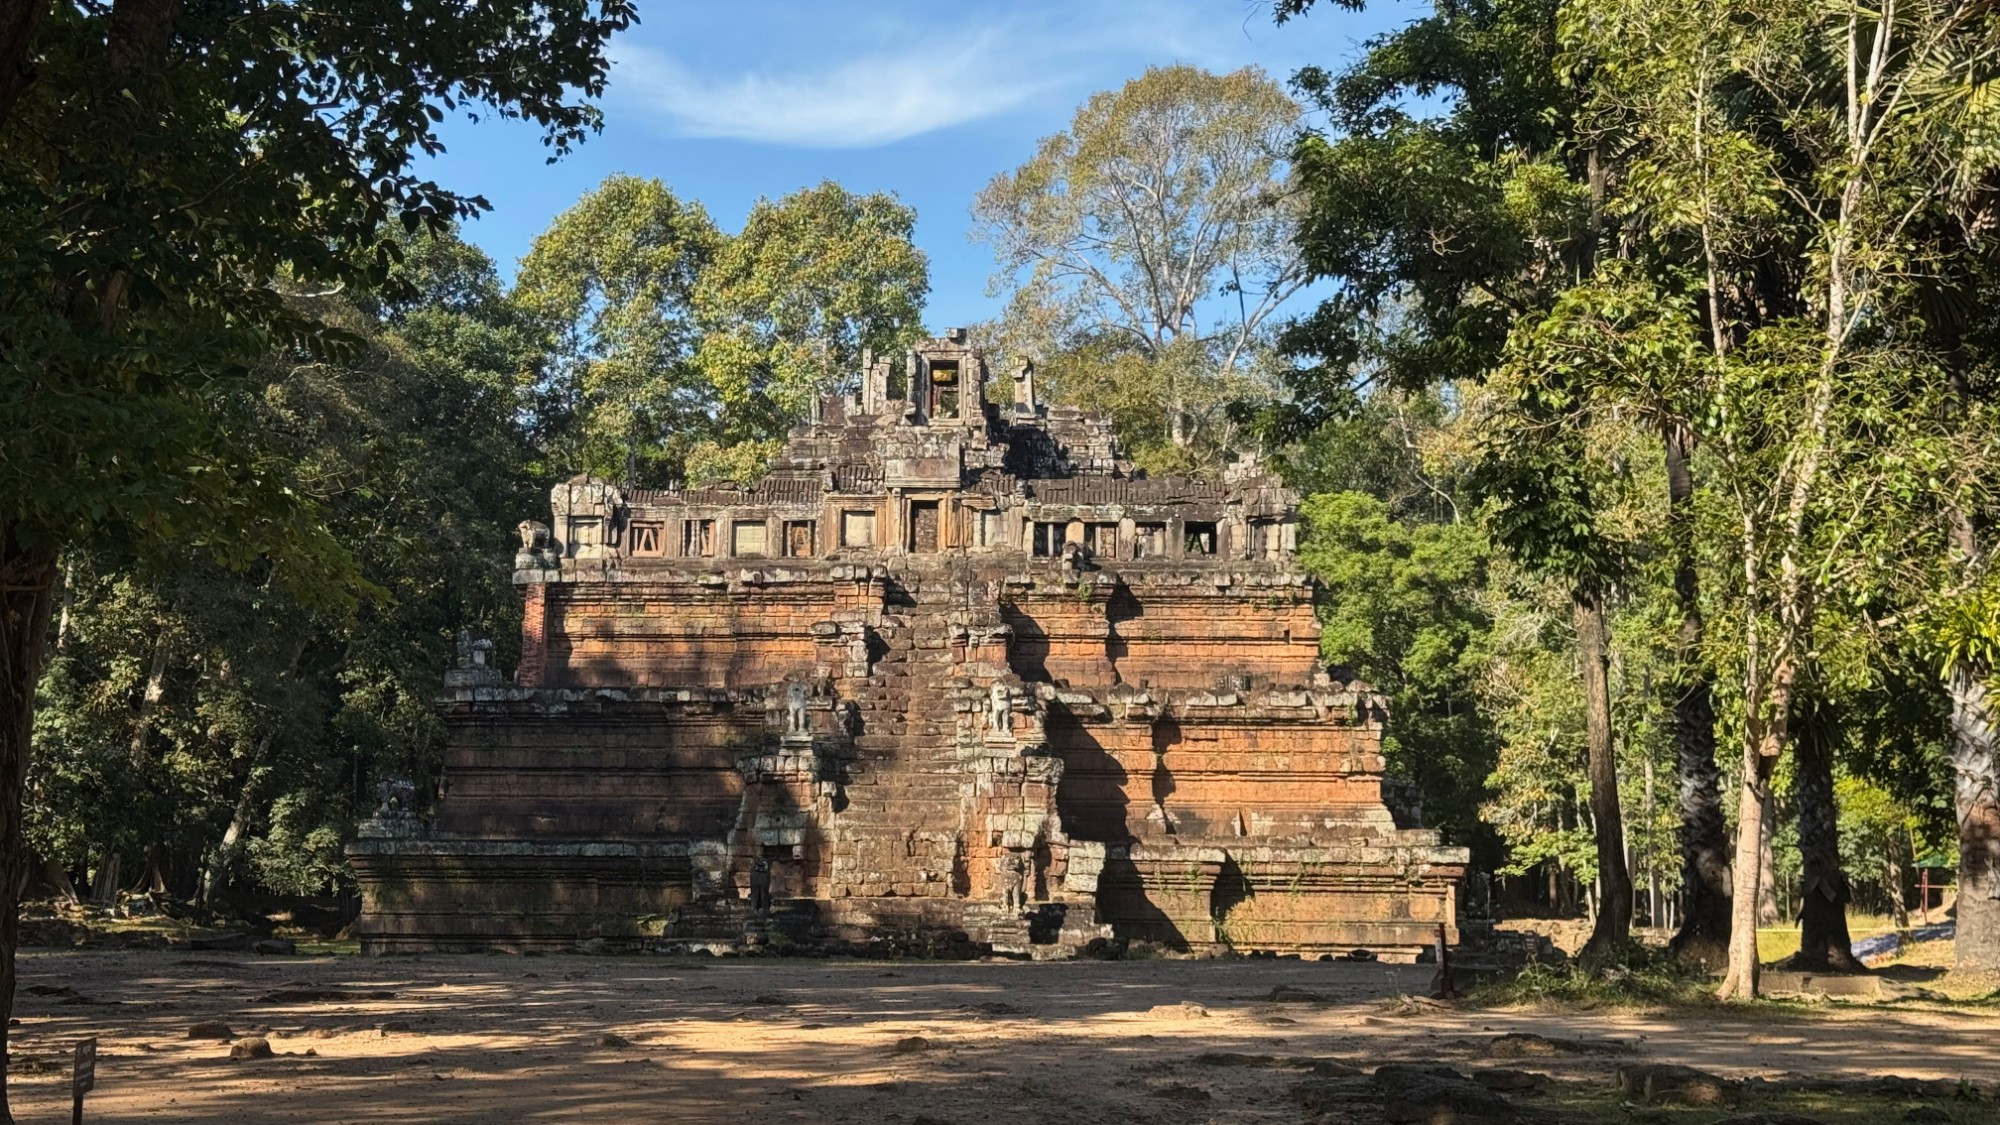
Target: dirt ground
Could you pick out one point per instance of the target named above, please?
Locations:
(505, 1039)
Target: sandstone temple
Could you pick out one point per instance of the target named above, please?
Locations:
(950, 677)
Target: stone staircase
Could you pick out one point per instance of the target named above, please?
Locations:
(729, 924)
(897, 836)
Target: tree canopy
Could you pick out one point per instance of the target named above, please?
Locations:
(1149, 245)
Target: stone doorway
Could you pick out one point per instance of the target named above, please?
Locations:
(923, 527)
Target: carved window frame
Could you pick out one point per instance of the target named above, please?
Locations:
(1149, 540)
(787, 541)
(1102, 539)
(697, 539)
(647, 538)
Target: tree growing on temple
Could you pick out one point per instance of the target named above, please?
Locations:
(610, 285)
(1146, 248)
(811, 282)
(167, 173)
(677, 350)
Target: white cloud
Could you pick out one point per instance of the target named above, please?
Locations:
(864, 73)
(863, 101)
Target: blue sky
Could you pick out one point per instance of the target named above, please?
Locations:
(729, 102)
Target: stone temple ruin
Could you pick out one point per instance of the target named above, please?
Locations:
(950, 677)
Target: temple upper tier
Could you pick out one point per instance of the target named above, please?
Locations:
(936, 469)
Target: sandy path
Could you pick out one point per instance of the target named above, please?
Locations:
(500, 1039)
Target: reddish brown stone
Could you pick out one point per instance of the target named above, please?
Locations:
(955, 678)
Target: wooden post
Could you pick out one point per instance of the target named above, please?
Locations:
(1443, 987)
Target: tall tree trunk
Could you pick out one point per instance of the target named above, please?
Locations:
(1892, 885)
(68, 599)
(1614, 908)
(1975, 760)
(1767, 869)
(1753, 809)
(1824, 943)
(156, 869)
(18, 20)
(218, 861)
(1703, 936)
(149, 699)
(110, 872)
(217, 865)
(27, 595)
(239, 822)
(59, 879)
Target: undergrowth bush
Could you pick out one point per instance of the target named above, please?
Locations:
(1630, 974)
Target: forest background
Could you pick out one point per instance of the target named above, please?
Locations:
(1645, 422)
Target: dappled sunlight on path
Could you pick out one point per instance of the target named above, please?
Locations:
(489, 1039)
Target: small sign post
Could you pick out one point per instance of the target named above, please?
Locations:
(82, 1078)
(1443, 987)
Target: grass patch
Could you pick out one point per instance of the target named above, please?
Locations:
(1636, 976)
(1599, 1103)
(1596, 1103)
(1775, 943)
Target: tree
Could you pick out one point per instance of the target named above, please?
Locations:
(242, 740)
(611, 285)
(677, 351)
(161, 167)
(1563, 503)
(1444, 232)
(1824, 894)
(1158, 228)
(789, 305)
(1403, 611)
(1770, 137)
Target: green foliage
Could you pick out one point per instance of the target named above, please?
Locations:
(1147, 248)
(1747, 228)
(611, 284)
(272, 708)
(1440, 229)
(669, 341)
(1537, 785)
(1402, 610)
(711, 463)
(790, 304)
(156, 183)
(1632, 975)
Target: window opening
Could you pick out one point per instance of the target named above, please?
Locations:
(799, 539)
(923, 526)
(1149, 540)
(648, 538)
(697, 538)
